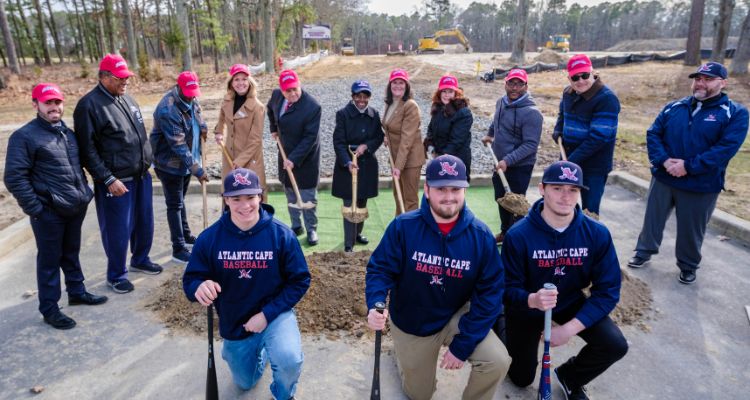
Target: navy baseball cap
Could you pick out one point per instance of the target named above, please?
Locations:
(446, 171)
(564, 173)
(361, 86)
(241, 181)
(712, 69)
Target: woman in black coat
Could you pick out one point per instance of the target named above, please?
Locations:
(357, 129)
(449, 131)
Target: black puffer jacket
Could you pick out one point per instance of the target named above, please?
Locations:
(42, 169)
(450, 130)
(113, 139)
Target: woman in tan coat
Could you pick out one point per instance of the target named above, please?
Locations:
(243, 116)
(401, 121)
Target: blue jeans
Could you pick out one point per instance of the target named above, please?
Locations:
(280, 344)
(296, 215)
(175, 189)
(591, 199)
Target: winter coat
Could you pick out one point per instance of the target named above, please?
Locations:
(172, 136)
(298, 131)
(403, 134)
(431, 276)
(111, 136)
(352, 129)
(705, 134)
(43, 169)
(583, 254)
(517, 129)
(449, 130)
(244, 135)
(262, 269)
(588, 125)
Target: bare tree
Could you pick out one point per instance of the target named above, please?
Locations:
(41, 36)
(722, 24)
(132, 46)
(742, 55)
(109, 26)
(182, 22)
(53, 31)
(693, 47)
(8, 40)
(268, 35)
(212, 35)
(519, 42)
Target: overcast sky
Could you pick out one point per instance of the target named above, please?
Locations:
(398, 7)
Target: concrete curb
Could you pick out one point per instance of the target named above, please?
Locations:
(725, 224)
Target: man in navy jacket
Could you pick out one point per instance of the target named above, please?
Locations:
(44, 173)
(556, 243)
(251, 267)
(440, 267)
(689, 146)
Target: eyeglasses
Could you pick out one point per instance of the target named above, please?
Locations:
(703, 78)
(518, 84)
(119, 81)
(584, 76)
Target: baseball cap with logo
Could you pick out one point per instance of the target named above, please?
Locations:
(237, 68)
(45, 92)
(446, 171)
(448, 82)
(361, 86)
(399, 73)
(579, 63)
(115, 65)
(517, 73)
(288, 79)
(189, 84)
(241, 181)
(711, 69)
(564, 173)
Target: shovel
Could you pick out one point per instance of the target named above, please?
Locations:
(299, 204)
(513, 202)
(353, 214)
(226, 154)
(396, 184)
(565, 158)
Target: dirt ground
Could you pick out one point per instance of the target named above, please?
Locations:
(335, 303)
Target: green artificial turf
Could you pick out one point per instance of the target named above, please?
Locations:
(381, 209)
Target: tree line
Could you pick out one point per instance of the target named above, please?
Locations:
(223, 32)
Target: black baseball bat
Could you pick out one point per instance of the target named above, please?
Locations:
(212, 389)
(545, 386)
(375, 392)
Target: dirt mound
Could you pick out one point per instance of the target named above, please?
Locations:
(548, 56)
(635, 306)
(666, 44)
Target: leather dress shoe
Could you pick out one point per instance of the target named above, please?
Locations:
(58, 320)
(86, 298)
(637, 262)
(298, 230)
(362, 239)
(312, 238)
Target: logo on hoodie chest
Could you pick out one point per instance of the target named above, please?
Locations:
(244, 260)
(560, 258)
(710, 118)
(438, 267)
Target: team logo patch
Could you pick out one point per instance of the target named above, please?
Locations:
(240, 179)
(705, 68)
(447, 168)
(49, 88)
(287, 77)
(559, 271)
(710, 118)
(191, 83)
(569, 174)
(436, 280)
(578, 62)
(122, 64)
(245, 274)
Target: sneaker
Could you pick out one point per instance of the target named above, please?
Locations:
(312, 238)
(58, 320)
(150, 268)
(637, 262)
(181, 256)
(571, 393)
(687, 277)
(121, 286)
(298, 231)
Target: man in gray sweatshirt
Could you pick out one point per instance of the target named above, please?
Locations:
(514, 133)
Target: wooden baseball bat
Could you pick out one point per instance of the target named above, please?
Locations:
(375, 392)
(545, 386)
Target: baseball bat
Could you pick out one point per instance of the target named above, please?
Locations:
(375, 392)
(545, 387)
(212, 389)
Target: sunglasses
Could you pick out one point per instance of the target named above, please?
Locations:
(584, 76)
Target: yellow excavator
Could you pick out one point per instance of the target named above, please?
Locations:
(430, 44)
(557, 42)
(347, 47)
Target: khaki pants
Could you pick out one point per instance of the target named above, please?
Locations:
(417, 359)
(409, 188)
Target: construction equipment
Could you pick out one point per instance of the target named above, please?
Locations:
(430, 44)
(557, 42)
(347, 47)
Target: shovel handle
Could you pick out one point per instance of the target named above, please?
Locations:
(226, 154)
(203, 186)
(354, 181)
(499, 171)
(562, 149)
(290, 174)
(396, 181)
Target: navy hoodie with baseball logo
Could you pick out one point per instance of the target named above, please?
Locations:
(261, 269)
(430, 276)
(583, 254)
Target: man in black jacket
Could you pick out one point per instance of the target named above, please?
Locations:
(43, 171)
(116, 152)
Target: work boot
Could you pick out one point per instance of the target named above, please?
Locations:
(361, 239)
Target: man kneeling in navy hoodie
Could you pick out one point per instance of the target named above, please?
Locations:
(556, 243)
(442, 269)
(252, 268)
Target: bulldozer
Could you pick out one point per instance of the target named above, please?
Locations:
(347, 47)
(430, 44)
(557, 42)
